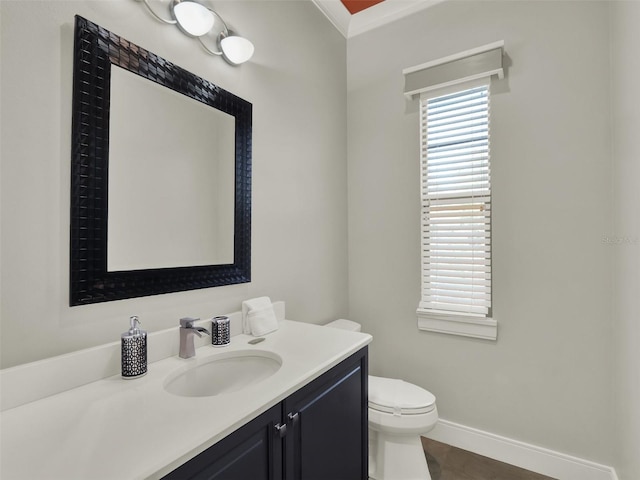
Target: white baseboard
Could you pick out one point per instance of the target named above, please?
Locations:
(537, 459)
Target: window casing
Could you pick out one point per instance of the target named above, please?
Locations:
(456, 211)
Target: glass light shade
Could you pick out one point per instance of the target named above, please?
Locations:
(195, 19)
(236, 49)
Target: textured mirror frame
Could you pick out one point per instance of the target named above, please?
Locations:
(95, 50)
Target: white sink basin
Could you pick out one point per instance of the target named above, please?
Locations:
(223, 373)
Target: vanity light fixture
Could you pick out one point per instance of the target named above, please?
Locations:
(197, 20)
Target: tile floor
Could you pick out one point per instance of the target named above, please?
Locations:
(451, 463)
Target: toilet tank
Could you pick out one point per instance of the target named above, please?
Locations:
(343, 324)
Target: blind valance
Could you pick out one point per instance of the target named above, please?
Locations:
(462, 67)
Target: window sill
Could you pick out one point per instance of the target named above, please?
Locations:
(476, 327)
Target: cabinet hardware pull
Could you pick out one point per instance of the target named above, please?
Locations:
(294, 418)
(281, 429)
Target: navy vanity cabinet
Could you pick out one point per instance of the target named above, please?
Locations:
(318, 432)
(251, 452)
(327, 421)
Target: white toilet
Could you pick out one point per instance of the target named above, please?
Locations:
(399, 412)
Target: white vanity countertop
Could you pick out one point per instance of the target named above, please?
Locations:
(120, 429)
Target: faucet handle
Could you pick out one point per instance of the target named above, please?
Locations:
(187, 322)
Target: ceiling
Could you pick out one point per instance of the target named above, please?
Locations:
(352, 17)
(355, 6)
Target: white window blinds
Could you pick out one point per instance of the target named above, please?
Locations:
(456, 203)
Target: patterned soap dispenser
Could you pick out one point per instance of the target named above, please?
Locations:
(134, 350)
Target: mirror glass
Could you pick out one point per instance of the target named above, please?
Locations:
(160, 175)
(170, 179)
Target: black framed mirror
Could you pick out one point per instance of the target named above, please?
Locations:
(94, 274)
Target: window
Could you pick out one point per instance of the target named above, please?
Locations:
(456, 189)
(456, 211)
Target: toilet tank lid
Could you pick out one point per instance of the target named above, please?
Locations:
(397, 396)
(344, 324)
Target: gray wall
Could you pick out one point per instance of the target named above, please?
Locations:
(296, 82)
(625, 244)
(547, 379)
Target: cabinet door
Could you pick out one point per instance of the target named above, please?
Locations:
(327, 425)
(254, 452)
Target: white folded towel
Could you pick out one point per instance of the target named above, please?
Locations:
(262, 321)
(258, 317)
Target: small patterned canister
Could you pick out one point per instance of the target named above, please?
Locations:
(134, 350)
(220, 331)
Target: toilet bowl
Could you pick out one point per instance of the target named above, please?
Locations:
(399, 412)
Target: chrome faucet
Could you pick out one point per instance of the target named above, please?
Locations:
(187, 331)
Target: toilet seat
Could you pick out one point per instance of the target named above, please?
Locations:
(390, 395)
